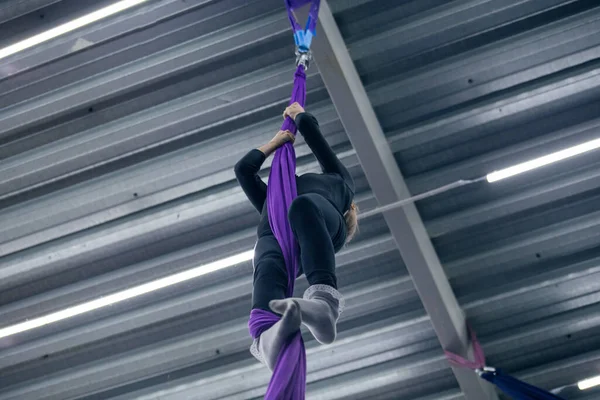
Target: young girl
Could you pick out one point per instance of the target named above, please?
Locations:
(323, 218)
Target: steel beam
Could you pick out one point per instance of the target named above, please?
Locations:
(383, 174)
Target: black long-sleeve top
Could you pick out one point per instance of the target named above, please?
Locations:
(335, 183)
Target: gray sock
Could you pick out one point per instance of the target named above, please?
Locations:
(320, 309)
(272, 340)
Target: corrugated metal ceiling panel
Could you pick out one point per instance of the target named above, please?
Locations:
(117, 144)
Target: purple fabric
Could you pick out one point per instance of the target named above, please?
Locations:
(312, 16)
(281, 190)
(289, 377)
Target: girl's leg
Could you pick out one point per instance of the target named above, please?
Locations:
(270, 275)
(270, 283)
(320, 231)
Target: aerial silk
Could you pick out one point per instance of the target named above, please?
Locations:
(513, 387)
(289, 376)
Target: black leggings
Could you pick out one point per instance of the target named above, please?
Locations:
(320, 230)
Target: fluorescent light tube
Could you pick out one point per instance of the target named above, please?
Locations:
(589, 383)
(69, 26)
(127, 294)
(542, 161)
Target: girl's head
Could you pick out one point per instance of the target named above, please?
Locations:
(351, 217)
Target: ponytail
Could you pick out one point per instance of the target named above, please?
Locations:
(351, 217)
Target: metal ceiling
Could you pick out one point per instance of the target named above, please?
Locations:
(117, 146)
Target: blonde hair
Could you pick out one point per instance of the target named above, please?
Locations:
(351, 217)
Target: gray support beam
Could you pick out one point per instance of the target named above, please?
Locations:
(358, 117)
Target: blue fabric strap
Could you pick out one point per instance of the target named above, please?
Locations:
(303, 37)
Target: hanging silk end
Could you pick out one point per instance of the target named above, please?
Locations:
(289, 377)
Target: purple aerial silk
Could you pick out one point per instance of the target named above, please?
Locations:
(289, 377)
(281, 190)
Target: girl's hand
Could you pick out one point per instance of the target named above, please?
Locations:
(282, 137)
(293, 110)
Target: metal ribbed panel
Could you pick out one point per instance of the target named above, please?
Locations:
(15, 8)
(117, 144)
